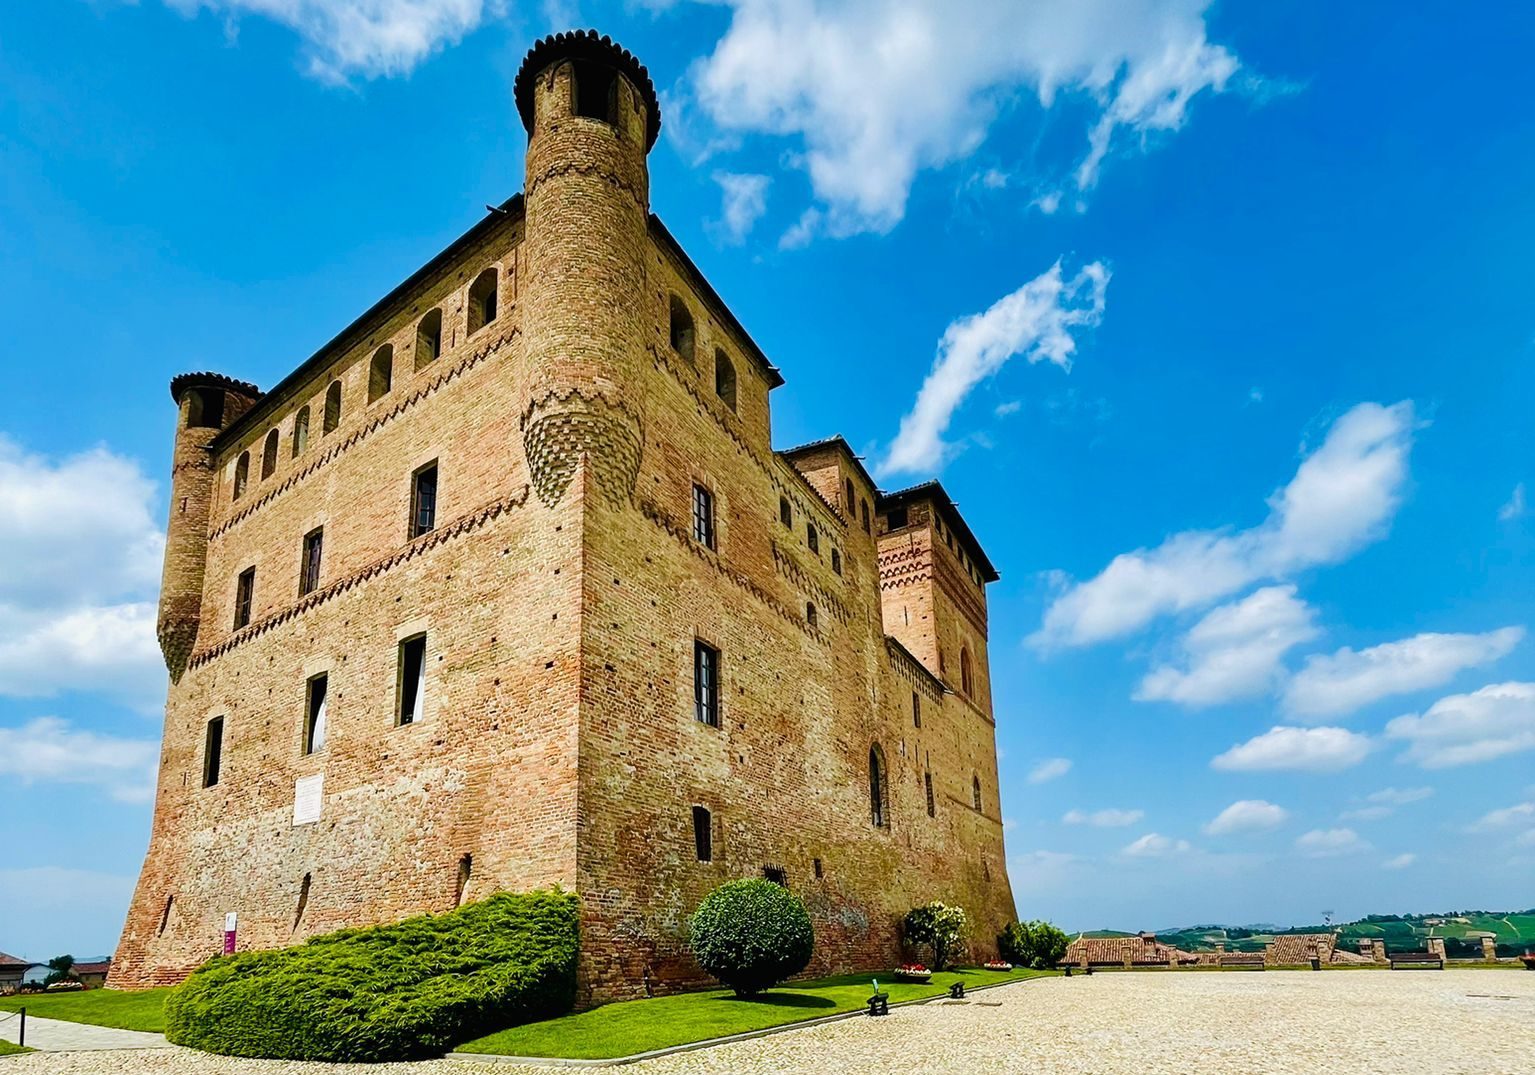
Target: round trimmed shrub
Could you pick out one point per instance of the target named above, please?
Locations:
(752, 934)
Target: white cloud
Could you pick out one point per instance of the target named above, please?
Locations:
(1035, 321)
(871, 93)
(1367, 813)
(1518, 814)
(48, 750)
(1348, 680)
(1400, 862)
(372, 38)
(1343, 497)
(1103, 819)
(743, 200)
(1324, 843)
(1316, 750)
(1462, 729)
(1399, 796)
(110, 650)
(1049, 769)
(1155, 845)
(1235, 651)
(1247, 815)
(1515, 507)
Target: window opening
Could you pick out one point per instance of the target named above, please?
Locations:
(412, 678)
(706, 672)
(245, 588)
(423, 500)
(314, 713)
(703, 834)
(309, 568)
(213, 751)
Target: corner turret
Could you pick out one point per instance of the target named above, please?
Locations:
(206, 404)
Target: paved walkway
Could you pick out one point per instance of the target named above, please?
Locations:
(57, 1036)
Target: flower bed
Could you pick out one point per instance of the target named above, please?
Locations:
(913, 972)
(997, 964)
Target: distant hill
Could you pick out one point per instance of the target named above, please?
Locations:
(1512, 931)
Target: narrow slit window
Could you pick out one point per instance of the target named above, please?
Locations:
(836, 561)
(423, 500)
(725, 379)
(300, 432)
(309, 565)
(482, 300)
(303, 901)
(465, 871)
(165, 915)
(245, 590)
(681, 329)
(332, 407)
(916, 710)
(213, 751)
(381, 373)
(269, 455)
(819, 869)
(785, 513)
(932, 805)
(314, 714)
(703, 834)
(412, 679)
(863, 507)
(703, 516)
(810, 616)
(975, 792)
(966, 675)
(429, 338)
(876, 788)
(813, 538)
(242, 474)
(852, 503)
(706, 686)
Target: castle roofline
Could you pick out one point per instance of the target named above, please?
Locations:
(348, 336)
(836, 440)
(769, 371)
(934, 491)
(208, 379)
(585, 45)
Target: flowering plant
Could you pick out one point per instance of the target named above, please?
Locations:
(997, 964)
(914, 968)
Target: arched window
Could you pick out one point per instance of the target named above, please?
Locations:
(975, 791)
(465, 869)
(681, 330)
(810, 615)
(785, 513)
(242, 474)
(813, 538)
(269, 455)
(332, 407)
(429, 338)
(852, 498)
(725, 379)
(966, 677)
(381, 372)
(594, 91)
(300, 431)
(205, 410)
(876, 787)
(836, 561)
(482, 300)
(864, 505)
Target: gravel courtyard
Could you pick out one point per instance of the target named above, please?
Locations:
(1475, 1022)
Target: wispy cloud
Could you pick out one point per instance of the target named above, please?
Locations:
(1247, 815)
(1343, 497)
(1326, 843)
(1155, 845)
(1103, 819)
(1514, 508)
(1049, 769)
(1399, 862)
(1518, 814)
(743, 200)
(1316, 750)
(48, 750)
(1036, 321)
(1463, 729)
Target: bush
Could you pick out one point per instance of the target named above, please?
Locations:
(940, 927)
(1032, 944)
(752, 934)
(402, 992)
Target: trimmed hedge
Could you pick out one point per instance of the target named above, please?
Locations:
(752, 934)
(402, 992)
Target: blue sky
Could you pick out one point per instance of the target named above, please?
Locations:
(1217, 321)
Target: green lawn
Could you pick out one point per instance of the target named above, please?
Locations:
(138, 1010)
(637, 1026)
(10, 1048)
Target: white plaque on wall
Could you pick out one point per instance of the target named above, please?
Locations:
(308, 791)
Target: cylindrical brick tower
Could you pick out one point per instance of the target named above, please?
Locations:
(207, 402)
(592, 116)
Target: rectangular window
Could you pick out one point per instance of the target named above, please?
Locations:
(703, 516)
(412, 679)
(423, 500)
(706, 688)
(932, 808)
(309, 568)
(836, 561)
(245, 589)
(314, 714)
(813, 537)
(818, 870)
(213, 751)
(916, 710)
(896, 520)
(776, 874)
(703, 834)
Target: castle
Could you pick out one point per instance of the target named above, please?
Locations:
(506, 587)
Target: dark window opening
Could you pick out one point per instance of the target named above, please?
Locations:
(465, 869)
(423, 500)
(303, 902)
(864, 511)
(897, 519)
(819, 873)
(381, 373)
(300, 431)
(429, 338)
(876, 788)
(725, 379)
(165, 915)
(213, 751)
(852, 501)
(412, 679)
(269, 455)
(776, 874)
(703, 516)
(596, 91)
(309, 566)
(482, 300)
(966, 676)
(975, 791)
(916, 710)
(932, 806)
(205, 410)
(810, 615)
(245, 589)
(680, 331)
(836, 561)
(785, 513)
(813, 537)
(706, 688)
(242, 474)
(332, 407)
(314, 713)
(703, 834)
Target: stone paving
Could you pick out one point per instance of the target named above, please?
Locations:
(56, 1035)
(1455, 1022)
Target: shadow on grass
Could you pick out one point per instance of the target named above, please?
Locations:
(780, 1000)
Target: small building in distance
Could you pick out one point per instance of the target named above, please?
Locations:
(1140, 950)
(12, 971)
(92, 975)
